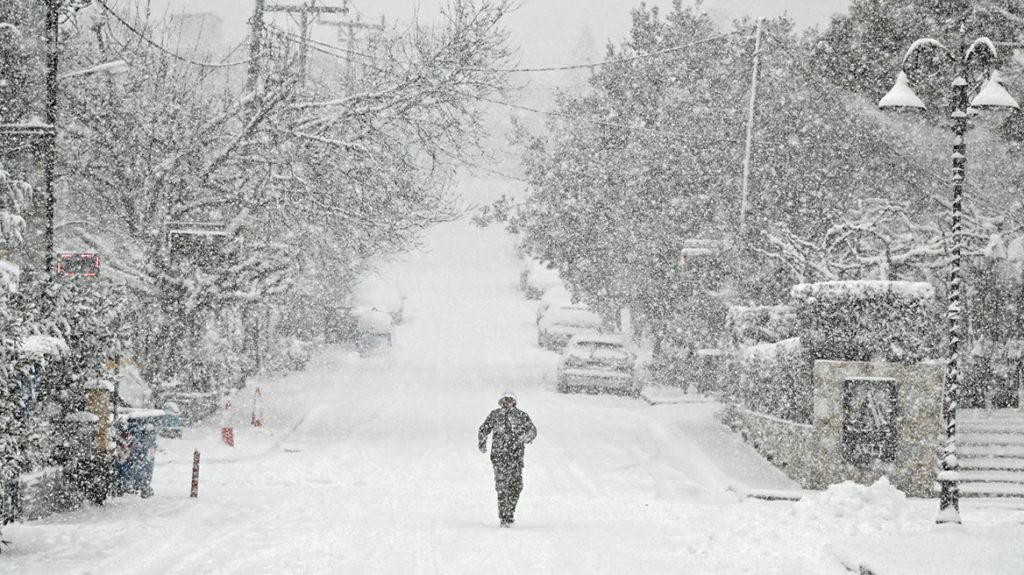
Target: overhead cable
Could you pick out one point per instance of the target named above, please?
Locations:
(565, 116)
(612, 61)
(170, 53)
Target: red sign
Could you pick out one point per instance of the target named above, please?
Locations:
(78, 265)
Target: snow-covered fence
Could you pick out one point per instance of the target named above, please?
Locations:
(868, 320)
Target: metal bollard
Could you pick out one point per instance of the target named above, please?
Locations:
(195, 474)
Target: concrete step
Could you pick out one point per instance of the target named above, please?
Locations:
(989, 427)
(992, 476)
(996, 414)
(972, 438)
(992, 463)
(972, 489)
(967, 451)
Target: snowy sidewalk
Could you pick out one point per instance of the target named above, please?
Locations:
(988, 543)
(942, 550)
(747, 474)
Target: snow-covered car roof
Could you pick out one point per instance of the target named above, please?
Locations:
(374, 289)
(556, 295)
(570, 316)
(375, 321)
(541, 275)
(546, 306)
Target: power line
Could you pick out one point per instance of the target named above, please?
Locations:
(606, 62)
(170, 53)
(293, 36)
(600, 122)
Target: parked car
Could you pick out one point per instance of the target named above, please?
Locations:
(598, 362)
(560, 323)
(374, 332)
(536, 278)
(556, 296)
(375, 292)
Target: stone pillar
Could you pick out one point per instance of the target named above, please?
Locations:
(847, 450)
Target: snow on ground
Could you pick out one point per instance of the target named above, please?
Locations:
(369, 465)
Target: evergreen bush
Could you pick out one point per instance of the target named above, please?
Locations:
(748, 325)
(868, 320)
(772, 378)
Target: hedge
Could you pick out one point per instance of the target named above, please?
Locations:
(868, 320)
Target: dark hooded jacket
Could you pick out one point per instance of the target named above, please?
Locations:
(512, 429)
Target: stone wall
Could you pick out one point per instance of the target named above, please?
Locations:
(918, 421)
(813, 454)
(791, 446)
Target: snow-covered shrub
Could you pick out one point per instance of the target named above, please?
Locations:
(74, 328)
(748, 325)
(772, 378)
(683, 367)
(868, 320)
(14, 433)
(13, 438)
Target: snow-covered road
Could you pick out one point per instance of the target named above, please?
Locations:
(369, 465)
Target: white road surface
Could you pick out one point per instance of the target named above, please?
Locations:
(369, 465)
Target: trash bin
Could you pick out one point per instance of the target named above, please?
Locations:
(136, 442)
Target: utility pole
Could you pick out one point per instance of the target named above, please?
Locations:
(750, 131)
(255, 47)
(350, 41)
(50, 153)
(305, 10)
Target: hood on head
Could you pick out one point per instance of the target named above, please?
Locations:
(509, 395)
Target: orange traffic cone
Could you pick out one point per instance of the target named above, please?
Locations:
(257, 409)
(227, 431)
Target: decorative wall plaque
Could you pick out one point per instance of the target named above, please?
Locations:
(869, 420)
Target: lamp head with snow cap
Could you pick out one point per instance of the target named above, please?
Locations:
(508, 399)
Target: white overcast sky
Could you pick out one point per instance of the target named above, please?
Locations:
(547, 32)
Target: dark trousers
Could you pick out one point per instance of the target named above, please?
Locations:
(508, 481)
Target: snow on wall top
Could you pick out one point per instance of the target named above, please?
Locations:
(861, 288)
(43, 346)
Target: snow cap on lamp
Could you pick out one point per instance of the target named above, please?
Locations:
(901, 95)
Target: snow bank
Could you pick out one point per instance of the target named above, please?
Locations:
(991, 550)
(859, 508)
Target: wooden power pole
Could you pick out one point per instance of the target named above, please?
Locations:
(255, 46)
(350, 40)
(305, 10)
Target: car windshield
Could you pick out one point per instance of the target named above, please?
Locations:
(573, 318)
(600, 349)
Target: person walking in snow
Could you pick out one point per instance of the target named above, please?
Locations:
(512, 429)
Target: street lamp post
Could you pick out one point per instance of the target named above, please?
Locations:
(991, 95)
(50, 155)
